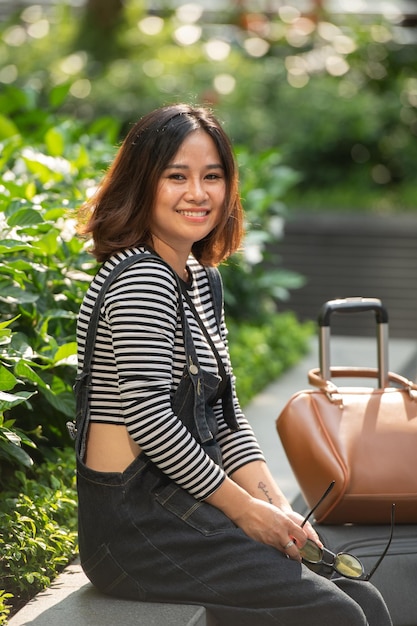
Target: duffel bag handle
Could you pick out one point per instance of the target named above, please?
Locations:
(315, 378)
(354, 305)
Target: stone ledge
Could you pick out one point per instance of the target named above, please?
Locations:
(72, 599)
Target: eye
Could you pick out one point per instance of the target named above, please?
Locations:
(176, 176)
(214, 176)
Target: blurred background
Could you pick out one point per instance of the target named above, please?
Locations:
(324, 93)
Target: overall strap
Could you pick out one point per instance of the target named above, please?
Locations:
(220, 364)
(216, 287)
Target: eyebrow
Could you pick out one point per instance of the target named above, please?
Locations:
(180, 166)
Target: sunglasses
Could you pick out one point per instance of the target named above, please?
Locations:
(343, 563)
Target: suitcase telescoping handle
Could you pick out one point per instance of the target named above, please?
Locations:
(354, 305)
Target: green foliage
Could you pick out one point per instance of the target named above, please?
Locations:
(336, 92)
(253, 279)
(5, 606)
(38, 530)
(260, 353)
(11, 438)
(47, 169)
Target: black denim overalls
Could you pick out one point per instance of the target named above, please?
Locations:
(142, 537)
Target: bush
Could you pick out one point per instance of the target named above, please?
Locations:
(38, 530)
(260, 353)
(47, 169)
(254, 280)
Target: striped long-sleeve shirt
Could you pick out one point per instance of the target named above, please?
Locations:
(138, 362)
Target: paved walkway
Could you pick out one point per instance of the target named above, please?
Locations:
(71, 598)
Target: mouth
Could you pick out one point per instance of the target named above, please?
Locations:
(194, 213)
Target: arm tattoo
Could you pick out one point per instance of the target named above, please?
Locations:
(264, 489)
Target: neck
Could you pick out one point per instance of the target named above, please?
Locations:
(177, 259)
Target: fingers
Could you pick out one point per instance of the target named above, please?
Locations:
(291, 550)
(311, 533)
(307, 528)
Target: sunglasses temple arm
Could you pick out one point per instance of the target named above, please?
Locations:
(325, 494)
(379, 561)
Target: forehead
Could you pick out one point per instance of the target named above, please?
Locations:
(198, 144)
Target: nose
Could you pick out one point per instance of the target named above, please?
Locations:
(196, 191)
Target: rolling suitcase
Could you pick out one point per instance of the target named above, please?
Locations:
(396, 577)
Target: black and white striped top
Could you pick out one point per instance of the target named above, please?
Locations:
(137, 365)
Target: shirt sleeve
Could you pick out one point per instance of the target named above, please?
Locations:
(238, 447)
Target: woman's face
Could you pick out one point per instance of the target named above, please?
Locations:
(190, 194)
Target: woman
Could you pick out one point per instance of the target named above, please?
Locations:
(176, 502)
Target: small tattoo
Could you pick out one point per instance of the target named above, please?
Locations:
(264, 489)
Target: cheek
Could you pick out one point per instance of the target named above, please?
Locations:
(165, 195)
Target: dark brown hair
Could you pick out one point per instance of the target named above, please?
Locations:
(118, 215)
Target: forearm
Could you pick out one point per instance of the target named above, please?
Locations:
(233, 500)
(252, 482)
(257, 480)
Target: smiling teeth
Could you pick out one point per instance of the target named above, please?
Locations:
(193, 213)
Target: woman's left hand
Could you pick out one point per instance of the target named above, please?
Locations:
(308, 528)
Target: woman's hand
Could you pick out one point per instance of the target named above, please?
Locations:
(308, 528)
(255, 503)
(269, 524)
(274, 525)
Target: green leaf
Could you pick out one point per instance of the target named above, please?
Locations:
(25, 371)
(30, 190)
(11, 436)
(48, 244)
(7, 127)
(55, 142)
(65, 351)
(7, 379)
(41, 171)
(8, 400)
(58, 94)
(15, 295)
(12, 245)
(63, 402)
(15, 453)
(8, 322)
(25, 217)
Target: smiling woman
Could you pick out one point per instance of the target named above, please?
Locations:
(167, 146)
(176, 502)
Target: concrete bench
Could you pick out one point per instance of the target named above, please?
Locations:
(72, 600)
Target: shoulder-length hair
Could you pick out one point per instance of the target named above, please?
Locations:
(118, 216)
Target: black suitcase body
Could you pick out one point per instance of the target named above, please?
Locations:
(396, 577)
